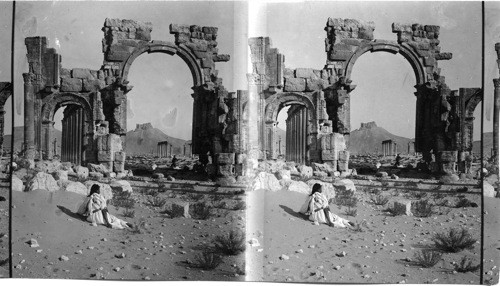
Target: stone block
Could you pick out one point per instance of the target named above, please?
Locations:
(176, 28)
(82, 172)
(225, 170)
(316, 84)
(444, 56)
(91, 85)
(71, 84)
(81, 73)
(402, 205)
(210, 30)
(266, 181)
(178, 208)
(211, 169)
(105, 156)
(342, 166)
(118, 166)
(329, 155)
(224, 158)
(344, 155)
(120, 156)
(339, 55)
(432, 28)
(221, 58)
(238, 169)
(295, 84)
(114, 143)
(305, 171)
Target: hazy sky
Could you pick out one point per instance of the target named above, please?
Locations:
(492, 36)
(162, 83)
(5, 59)
(384, 91)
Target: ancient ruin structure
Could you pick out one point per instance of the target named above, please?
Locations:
(5, 93)
(389, 148)
(318, 126)
(187, 149)
(95, 118)
(164, 149)
(321, 119)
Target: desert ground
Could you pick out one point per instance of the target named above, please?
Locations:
(167, 241)
(382, 248)
(4, 218)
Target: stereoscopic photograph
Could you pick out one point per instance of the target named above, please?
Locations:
(273, 141)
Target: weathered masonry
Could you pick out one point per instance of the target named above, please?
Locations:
(321, 122)
(95, 118)
(5, 93)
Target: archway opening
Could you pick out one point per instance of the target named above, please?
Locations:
(291, 133)
(159, 112)
(382, 108)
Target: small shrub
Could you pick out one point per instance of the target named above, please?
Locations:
(351, 212)
(240, 205)
(360, 226)
(129, 213)
(466, 266)
(219, 204)
(374, 191)
(139, 227)
(157, 202)
(465, 203)
(427, 258)
(379, 200)
(207, 260)
(455, 240)
(422, 208)
(232, 243)
(201, 211)
(416, 195)
(346, 198)
(122, 199)
(396, 209)
(438, 196)
(441, 202)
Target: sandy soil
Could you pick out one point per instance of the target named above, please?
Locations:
(294, 249)
(164, 250)
(4, 226)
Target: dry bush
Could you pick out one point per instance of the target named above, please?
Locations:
(379, 200)
(422, 208)
(427, 258)
(360, 226)
(351, 212)
(455, 240)
(139, 227)
(465, 203)
(346, 198)
(129, 213)
(466, 265)
(207, 260)
(232, 243)
(122, 199)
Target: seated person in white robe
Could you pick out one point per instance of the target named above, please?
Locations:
(317, 208)
(95, 209)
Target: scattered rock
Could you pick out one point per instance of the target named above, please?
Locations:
(17, 184)
(284, 257)
(76, 187)
(121, 186)
(266, 181)
(43, 181)
(64, 258)
(33, 243)
(299, 187)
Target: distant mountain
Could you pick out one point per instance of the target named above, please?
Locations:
(144, 139)
(19, 138)
(488, 145)
(368, 139)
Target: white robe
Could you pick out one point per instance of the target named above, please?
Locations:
(314, 206)
(92, 208)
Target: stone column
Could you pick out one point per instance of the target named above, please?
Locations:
(496, 110)
(29, 116)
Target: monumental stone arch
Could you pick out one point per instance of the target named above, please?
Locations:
(442, 132)
(96, 100)
(77, 127)
(303, 105)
